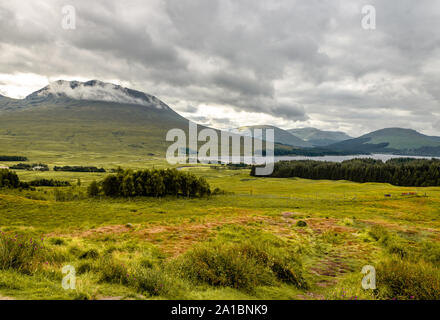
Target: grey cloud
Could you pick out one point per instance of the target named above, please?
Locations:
(304, 61)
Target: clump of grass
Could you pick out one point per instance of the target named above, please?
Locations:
(239, 266)
(431, 252)
(84, 267)
(394, 247)
(90, 254)
(20, 252)
(348, 222)
(402, 279)
(112, 271)
(57, 241)
(379, 233)
(391, 242)
(333, 237)
(153, 282)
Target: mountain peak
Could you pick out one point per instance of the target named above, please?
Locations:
(95, 90)
(394, 130)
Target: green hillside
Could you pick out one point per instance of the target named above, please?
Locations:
(281, 136)
(319, 137)
(392, 140)
(53, 126)
(399, 138)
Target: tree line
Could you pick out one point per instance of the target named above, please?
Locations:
(30, 167)
(13, 158)
(400, 171)
(9, 179)
(78, 169)
(49, 183)
(151, 183)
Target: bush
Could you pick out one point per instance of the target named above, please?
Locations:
(152, 281)
(93, 189)
(8, 179)
(301, 224)
(397, 278)
(240, 266)
(112, 271)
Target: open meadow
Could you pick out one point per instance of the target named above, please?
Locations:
(261, 238)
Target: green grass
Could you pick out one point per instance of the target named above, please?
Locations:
(245, 245)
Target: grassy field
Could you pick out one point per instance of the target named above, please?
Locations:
(266, 239)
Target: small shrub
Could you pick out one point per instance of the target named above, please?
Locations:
(93, 189)
(240, 266)
(152, 281)
(301, 224)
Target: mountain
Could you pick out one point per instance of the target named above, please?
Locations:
(86, 121)
(319, 138)
(281, 136)
(392, 140)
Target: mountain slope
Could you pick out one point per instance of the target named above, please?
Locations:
(281, 136)
(395, 140)
(91, 119)
(319, 137)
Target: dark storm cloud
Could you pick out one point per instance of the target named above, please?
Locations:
(304, 62)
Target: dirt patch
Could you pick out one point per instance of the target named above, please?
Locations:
(291, 214)
(175, 240)
(117, 229)
(320, 226)
(172, 239)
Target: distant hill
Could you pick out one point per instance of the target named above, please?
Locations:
(392, 140)
(281, 136)
(86, 119)
(318, 137)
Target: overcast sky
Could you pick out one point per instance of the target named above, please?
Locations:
(228, 63)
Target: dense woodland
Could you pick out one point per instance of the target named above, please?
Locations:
(151, 183)
(400, 171)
